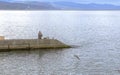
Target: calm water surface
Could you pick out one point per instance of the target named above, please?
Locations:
(96, 33)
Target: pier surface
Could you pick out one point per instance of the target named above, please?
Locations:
(31, 44)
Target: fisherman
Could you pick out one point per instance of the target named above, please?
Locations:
(40, 35)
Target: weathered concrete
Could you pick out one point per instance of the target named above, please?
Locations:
(31, 44)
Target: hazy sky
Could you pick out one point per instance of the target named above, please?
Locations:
(80, 1)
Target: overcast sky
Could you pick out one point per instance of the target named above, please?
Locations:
(117, 2)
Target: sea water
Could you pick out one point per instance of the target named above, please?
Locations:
(95, 35)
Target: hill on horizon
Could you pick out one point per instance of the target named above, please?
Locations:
(61, 5)
(25, 6)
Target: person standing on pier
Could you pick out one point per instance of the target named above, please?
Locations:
(40, 35)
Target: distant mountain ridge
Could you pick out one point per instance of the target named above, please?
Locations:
(25, 6)
(35, 5)
(90, 6)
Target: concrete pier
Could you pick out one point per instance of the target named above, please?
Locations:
(31, 44)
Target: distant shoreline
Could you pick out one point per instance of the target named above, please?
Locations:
(60, 5)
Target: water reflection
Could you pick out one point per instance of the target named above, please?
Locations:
(32, 62)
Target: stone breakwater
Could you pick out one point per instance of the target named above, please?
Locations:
(31, 44)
